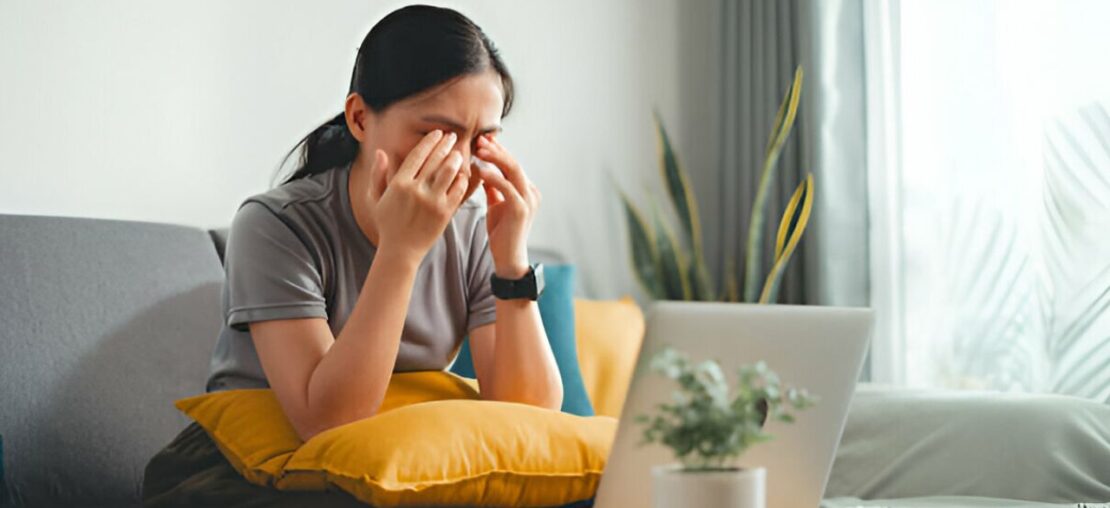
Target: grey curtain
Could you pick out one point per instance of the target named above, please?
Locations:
(762, 43)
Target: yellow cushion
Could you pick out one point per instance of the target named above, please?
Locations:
(608, 334)
(459, 452)
(426, 446)
(251, 429)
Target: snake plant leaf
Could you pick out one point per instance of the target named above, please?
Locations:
(784, 122)
(672, 264)
(731, 290)
(686, 206)
(645, 257)
(783, 252)
(698, 275)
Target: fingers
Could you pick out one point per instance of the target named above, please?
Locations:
(494, 178)
(436, 158)
(445, 175)
(390, 171)
(489, 149)
(535, 193)
(415, 159)
(475, 180)
(493, 196)
(460, 188)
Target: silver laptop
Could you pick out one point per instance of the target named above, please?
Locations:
(817, 348)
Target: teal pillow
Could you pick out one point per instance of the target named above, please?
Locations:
(557, 313)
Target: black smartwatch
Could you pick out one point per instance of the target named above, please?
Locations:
(528, 287)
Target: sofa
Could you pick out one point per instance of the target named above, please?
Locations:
(105, 323)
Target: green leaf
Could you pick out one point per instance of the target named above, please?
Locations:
(672, 263)
(686, 206)
(731, 291)
(702, 428)
(784, 249)
(645, 257)
(784, 122)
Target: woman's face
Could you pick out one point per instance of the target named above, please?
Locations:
(469, 105)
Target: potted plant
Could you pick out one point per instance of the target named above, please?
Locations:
(708, 426)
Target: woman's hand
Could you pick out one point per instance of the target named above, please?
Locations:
(513, 200)
(418, 200)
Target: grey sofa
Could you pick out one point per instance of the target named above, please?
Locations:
(104, 324)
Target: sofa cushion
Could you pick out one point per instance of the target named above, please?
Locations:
(902, 443)
(103, 325)
(454, 454)
(459, 453)
(219, 240)
(251, 430)
(609, 334)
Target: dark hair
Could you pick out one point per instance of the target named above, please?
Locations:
(408, 51)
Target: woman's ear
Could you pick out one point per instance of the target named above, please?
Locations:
(356, 112)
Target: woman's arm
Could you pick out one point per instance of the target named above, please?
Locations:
(321, 381)
(513, 359)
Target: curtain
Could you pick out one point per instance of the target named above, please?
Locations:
(763, 42)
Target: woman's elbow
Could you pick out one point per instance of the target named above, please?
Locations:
(553, 399)
(307, 428)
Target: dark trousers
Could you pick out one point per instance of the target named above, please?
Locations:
(191, 471)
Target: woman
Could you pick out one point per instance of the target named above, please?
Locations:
(371, 258)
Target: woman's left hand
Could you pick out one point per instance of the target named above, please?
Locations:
(513, 200)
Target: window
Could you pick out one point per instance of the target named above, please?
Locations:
(991, 121)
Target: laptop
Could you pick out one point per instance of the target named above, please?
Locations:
(820, 349)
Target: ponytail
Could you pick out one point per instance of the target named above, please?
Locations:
(329, 145)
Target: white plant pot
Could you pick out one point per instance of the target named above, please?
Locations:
(740, 488)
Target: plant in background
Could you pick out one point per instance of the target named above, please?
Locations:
(673, 269)
(706, 426)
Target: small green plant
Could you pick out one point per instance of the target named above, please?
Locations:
(705, 425)
(672, 267)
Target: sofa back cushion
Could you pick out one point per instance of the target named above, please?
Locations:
(906, 442)
(103, 325)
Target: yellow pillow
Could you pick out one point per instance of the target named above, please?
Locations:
(420, 449)
(251, 429)
(459, 452)
(608, 334)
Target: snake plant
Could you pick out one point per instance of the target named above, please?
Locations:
(672, 268)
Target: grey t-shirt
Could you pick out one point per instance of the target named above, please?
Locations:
(296, 251)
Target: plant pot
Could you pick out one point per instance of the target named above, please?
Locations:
(673, 487)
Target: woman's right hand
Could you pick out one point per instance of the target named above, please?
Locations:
(419, 200)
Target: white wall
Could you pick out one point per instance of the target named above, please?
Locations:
(175, 112)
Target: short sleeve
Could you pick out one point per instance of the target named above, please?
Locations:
(271, 274)
(481, 305)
